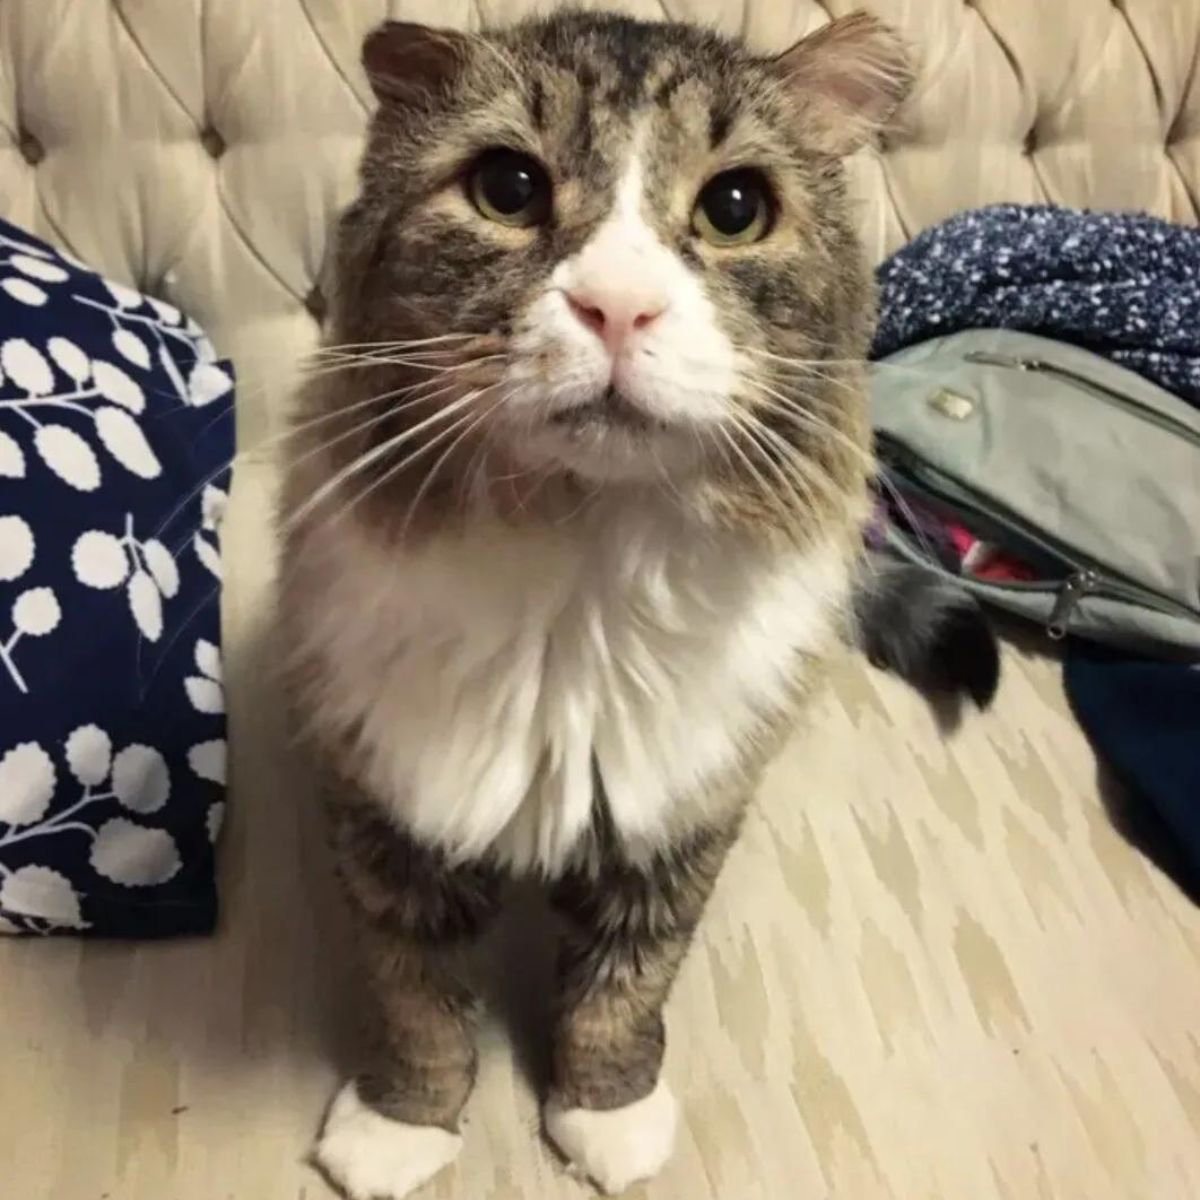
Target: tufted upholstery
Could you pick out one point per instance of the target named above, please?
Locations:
(930, 970)
(218, 139)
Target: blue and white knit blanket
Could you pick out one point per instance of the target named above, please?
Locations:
(1123, 285)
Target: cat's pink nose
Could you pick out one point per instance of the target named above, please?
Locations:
(613, 315)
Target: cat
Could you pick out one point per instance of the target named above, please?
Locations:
(572, 519)
(912, 622)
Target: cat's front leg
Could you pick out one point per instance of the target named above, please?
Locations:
(628, 928)
(396, 1125)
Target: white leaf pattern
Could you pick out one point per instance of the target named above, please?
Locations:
(206, 695)
(207, 383)
(69, 404)
(89, 755)
(208, 659)
(133, 854)
(16, 548)
(131, 347)
(146, 605)
(27, 781)
(172, 372)
(123, 296)
(140, 779)
(213, 503)
(207, 760)
(38, 268)
(26, 367)
(99, 560)
(70, 360)
(68, 456)
(213, 820)
(25, 292)
(30, 248)
(161, 566)
(12, 458)
(102, 560)
(207, 553)
(113, 384)
(124, 440)
(43, 893)
(36, 612)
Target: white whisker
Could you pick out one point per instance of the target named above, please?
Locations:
(372, 456)
(794, 411)
(442, 459)
(809, 477)
(792, 497)
(731, 442)
(402, 343)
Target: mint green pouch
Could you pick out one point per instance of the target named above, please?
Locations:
(1085, 471)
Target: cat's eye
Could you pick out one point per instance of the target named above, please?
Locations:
(510, 187)
(733, 209)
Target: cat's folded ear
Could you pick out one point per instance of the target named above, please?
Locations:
(848, 78)
(408, 64)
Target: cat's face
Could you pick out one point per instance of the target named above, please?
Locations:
(640, 233)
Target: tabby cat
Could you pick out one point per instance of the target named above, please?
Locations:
(572, 518)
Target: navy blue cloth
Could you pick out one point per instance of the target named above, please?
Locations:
(116, 435)
(1143, 717)
(1123, 285)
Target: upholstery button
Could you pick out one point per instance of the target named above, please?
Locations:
(212, 141)
(1031, 141)
(32, 151)
(314, 302)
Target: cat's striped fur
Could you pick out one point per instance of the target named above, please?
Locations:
(566, 639)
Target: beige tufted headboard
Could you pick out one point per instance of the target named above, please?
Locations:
(200, 148)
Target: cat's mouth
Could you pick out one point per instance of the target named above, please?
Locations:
(608, 436)
(609, 410)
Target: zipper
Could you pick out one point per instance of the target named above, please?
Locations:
(1071, 592)
(1070, 596)
(1084, 578)
(1110, 395)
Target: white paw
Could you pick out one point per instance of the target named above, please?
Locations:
(373, 1158)
(621, 1146)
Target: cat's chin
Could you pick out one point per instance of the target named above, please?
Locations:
(604, 452)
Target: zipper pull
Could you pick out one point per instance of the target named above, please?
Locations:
(1073, 591)
(987, 359)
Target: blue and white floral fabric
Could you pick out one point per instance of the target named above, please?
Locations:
(116, 434)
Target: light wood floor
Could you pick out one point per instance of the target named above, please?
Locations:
(932, 970)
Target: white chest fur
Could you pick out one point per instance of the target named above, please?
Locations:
(482, 675)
